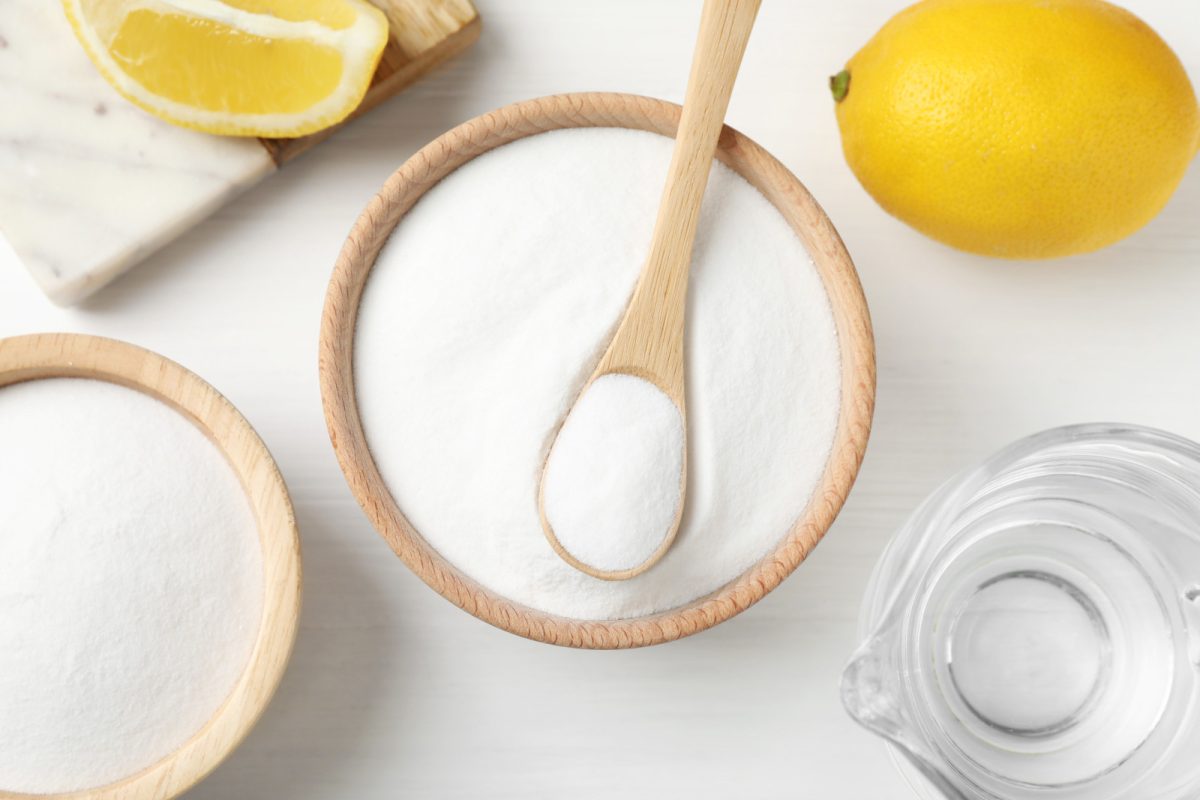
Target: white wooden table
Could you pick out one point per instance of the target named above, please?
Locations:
(392, 691)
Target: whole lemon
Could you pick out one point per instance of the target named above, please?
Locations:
(1018, 128)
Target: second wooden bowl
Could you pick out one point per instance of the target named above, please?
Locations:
(460, 145)
(63, 355)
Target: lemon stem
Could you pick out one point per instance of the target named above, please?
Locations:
(840, 85)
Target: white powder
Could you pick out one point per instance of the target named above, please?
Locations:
(487, 311)
(611, 488)
(130, 583)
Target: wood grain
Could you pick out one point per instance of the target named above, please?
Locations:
(424, 33)
(648, 342)
(336, 363)
(58, 355)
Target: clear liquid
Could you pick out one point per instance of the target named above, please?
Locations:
(1028, 654)
(1045, 610)
(1051, 652)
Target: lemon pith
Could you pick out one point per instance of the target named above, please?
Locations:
(1019, 128)
(277, 68)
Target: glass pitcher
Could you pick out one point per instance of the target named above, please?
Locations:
(1033, 631)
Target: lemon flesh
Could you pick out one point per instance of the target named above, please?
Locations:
(1018, 128)
(272, 68)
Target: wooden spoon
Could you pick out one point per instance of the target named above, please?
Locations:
(648, 344)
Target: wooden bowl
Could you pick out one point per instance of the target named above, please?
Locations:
(458, 146)
(60, 355)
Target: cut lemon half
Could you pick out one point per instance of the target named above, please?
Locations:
(273, 68)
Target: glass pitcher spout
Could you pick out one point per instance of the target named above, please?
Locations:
(872, 694)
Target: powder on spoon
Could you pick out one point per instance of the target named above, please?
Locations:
(611, 490)
(130, 583)
(473, 342)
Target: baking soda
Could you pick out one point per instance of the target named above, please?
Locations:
(611, 490)
(130, 583)
(489, 308)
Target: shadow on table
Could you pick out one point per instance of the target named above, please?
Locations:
(323, 711)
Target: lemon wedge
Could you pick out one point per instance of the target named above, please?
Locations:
(272, 68)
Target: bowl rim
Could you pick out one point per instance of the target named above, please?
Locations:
(336, 366)
(64, 355)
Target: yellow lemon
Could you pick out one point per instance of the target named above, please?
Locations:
(278, 68)
(1018, 128)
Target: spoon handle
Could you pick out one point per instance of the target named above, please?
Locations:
(656, 311)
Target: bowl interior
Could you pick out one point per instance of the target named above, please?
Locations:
(460, 145)
(26, 358)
